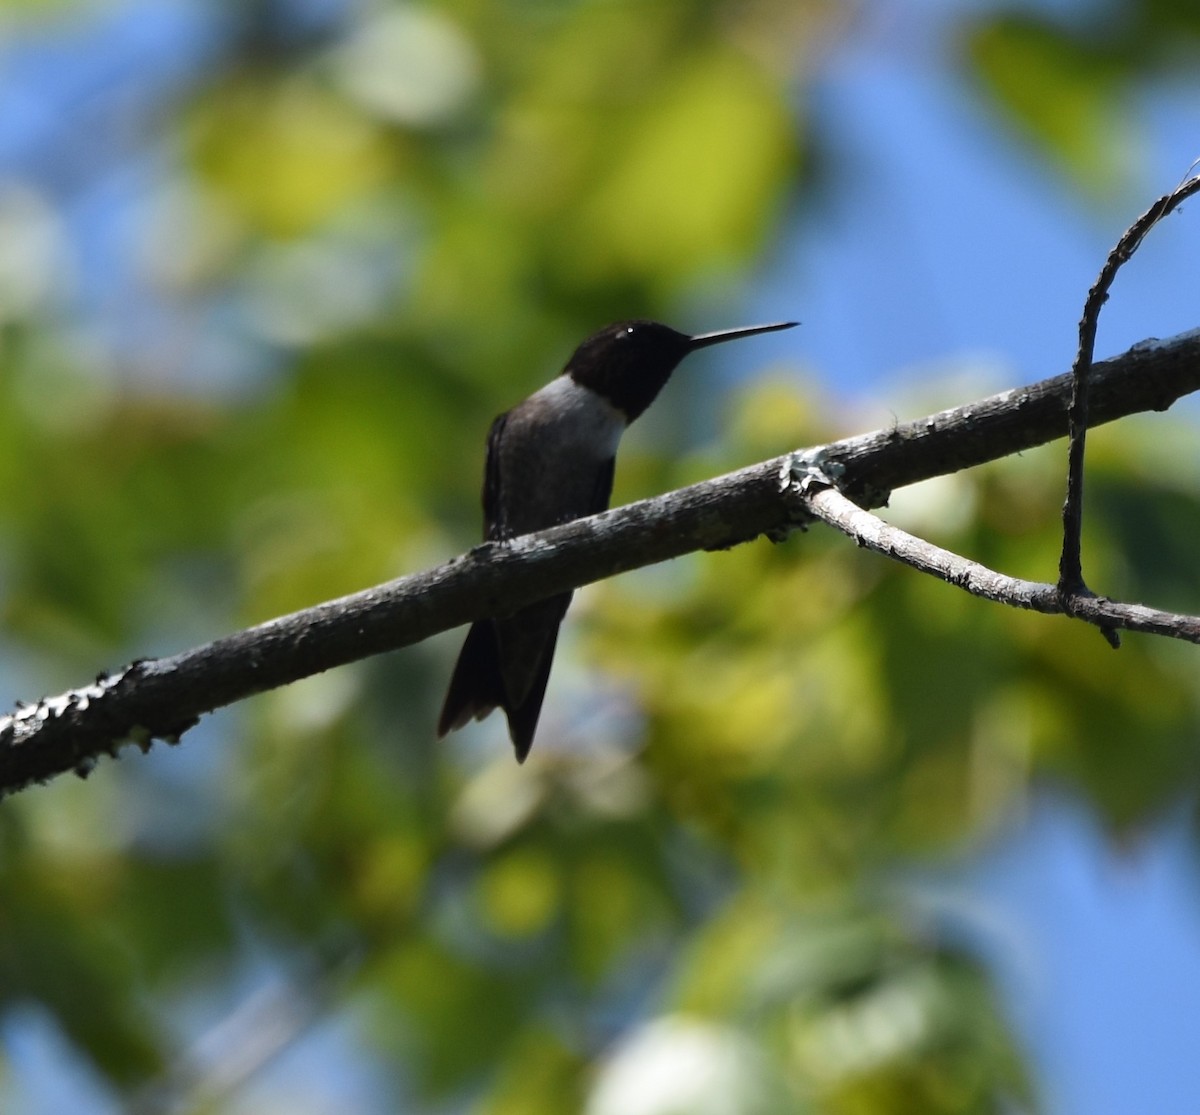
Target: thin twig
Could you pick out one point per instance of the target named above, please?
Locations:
(1070, 568)
(826, 503)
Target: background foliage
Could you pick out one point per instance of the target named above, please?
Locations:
(366, 230)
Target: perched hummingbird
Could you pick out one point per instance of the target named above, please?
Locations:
(550, 460)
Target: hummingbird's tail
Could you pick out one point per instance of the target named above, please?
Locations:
(523, 718)
(477, 685)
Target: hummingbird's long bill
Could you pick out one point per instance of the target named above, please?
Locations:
(703, 340)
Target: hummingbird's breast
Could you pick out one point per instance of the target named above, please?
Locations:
(556, 455)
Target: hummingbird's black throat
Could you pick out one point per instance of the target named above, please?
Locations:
(629, 363)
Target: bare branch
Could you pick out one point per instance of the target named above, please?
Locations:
(1070, 569)
(830, 506)
(162, 698)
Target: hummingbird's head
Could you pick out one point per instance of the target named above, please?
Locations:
(628, 363)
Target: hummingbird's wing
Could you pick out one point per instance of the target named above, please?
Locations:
(603, 490)
(476, 686)
(493, 509)
(505, 662)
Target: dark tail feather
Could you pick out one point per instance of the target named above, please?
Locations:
(476, 687)
(522, 721)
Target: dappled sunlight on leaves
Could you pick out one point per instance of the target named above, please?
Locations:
(286, 155)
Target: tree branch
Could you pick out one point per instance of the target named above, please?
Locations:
(871, 532)
(1070, 568)
(163, 698)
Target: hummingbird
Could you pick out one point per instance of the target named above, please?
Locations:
(550, 460)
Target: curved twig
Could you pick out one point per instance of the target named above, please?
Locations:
(1071, 585)
(828, 505)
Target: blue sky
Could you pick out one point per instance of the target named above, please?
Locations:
(1098, 948)
(948, 242)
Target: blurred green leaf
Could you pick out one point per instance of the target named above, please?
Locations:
(1067, 94)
